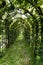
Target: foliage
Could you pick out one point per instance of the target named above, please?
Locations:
(28, 14)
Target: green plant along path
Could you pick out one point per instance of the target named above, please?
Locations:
(18, 53)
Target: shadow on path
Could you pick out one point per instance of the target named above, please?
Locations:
(18, 53)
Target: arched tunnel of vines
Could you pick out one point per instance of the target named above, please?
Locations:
(21, 32)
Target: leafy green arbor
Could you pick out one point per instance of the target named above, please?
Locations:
(26, 14)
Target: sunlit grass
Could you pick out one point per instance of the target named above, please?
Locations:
(18, 53)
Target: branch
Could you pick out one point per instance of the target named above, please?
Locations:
(38, 9)
(27, 11)
(11, 4)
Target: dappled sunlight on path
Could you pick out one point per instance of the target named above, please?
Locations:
(18, 53)
(21, 36)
